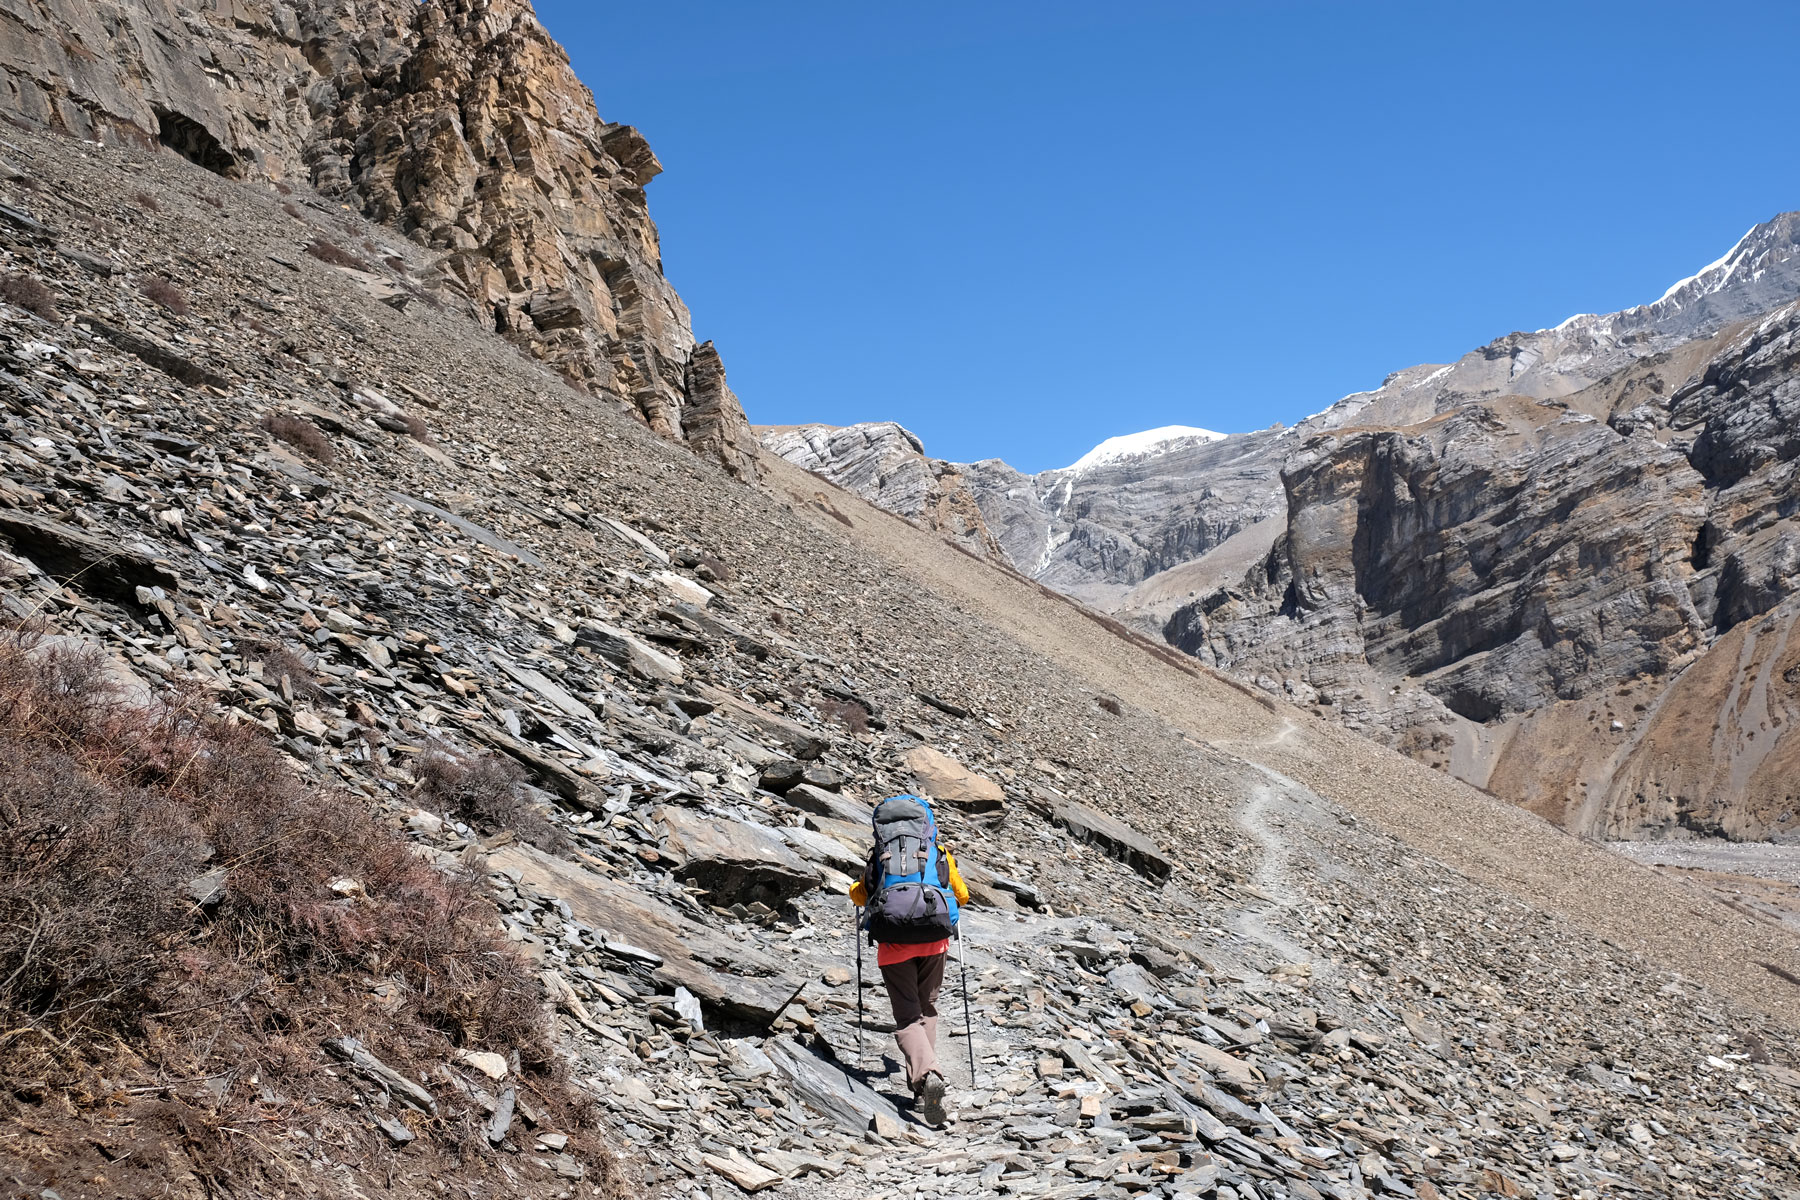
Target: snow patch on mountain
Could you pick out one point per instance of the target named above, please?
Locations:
(1726, 261)
(1135, 445)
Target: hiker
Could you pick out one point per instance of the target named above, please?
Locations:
(910, 893)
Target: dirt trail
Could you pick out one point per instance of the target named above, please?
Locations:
(1272, 871)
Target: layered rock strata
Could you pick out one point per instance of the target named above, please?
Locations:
(886, 465)
(1472, 586)
(1499, 565)
(457, 123)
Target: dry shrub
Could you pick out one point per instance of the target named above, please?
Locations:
(280, 661)
(416, 428)
(848, 713)
(330, 252)
(484, 791)
(163, 290)
(212, 200)
(299, 433)
(283, 189)
(175, 904)
(146, 201)
(109, 811)
(29, 293)
(292, 210)
(1109, 704)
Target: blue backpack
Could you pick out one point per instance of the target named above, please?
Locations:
(907, 878)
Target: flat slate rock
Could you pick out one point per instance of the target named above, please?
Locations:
(735, 861)
(757, 994)
(1107, 834)
(795, 738)
(98, 566)
(828, 1088)
(807, 798)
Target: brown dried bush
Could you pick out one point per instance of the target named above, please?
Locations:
(107, 811)
(416, 428)
(146, 201)
(175, 904)
(279, 662)
(484, 791)
(1109, 704)
(330, 252)
(29, 293)
(848, 713)
(292, 210)
(299, 433)
(164, 291)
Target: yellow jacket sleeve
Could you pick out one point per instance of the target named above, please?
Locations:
(956, 880)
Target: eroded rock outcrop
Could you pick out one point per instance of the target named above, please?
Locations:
(886, 465)
(458, 123)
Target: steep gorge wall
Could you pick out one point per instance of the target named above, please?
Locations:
(1581, 603)
(457, 122)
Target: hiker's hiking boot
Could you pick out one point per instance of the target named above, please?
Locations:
(931, 1099)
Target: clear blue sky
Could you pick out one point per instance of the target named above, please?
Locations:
(1020, 228)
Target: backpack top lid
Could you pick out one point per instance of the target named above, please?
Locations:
(903, 810)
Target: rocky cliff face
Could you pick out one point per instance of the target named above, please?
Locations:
(887, 466)
(1468, 586)
(1758, 274)
(1149, 521)
(458, 123)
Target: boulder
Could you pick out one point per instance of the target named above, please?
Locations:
(735, 861)
(941, 777)
(1107, 834)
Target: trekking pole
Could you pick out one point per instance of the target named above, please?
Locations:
(962, 961)
(856, 941)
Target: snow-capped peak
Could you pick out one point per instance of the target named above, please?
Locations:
(1135, 445)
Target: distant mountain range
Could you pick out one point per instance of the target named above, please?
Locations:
(1467, 562)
